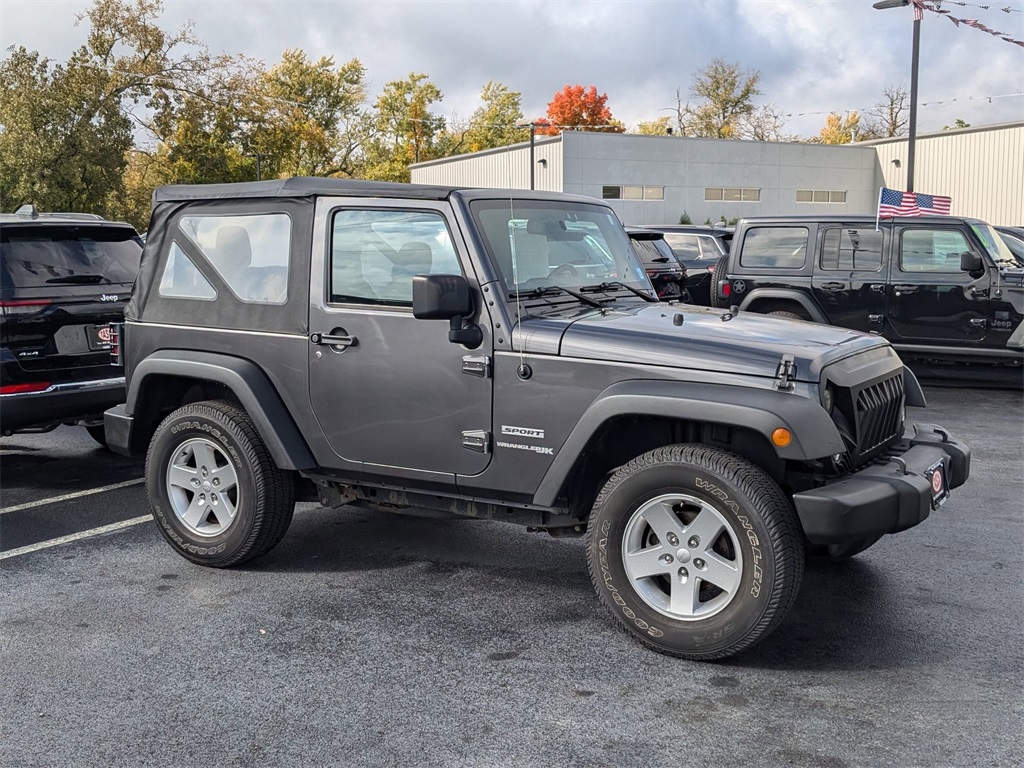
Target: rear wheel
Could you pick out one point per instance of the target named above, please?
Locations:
(789, 315)
(215, 492)
(696, 551)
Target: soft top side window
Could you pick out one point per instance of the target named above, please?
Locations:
(250, 253)
(776, 247)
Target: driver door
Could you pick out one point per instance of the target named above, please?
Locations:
(389, 390)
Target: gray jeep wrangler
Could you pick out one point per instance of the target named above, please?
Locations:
(501, 354)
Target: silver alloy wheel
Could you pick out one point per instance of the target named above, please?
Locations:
(682, 557)
(203, 487)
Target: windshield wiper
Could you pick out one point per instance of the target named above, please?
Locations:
(618, 284)
(552, 290)
(82, 279)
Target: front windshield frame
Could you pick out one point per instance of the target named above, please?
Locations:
(547, 244)
(1003, 257)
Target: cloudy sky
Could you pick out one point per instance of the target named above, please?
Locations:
(815, 56)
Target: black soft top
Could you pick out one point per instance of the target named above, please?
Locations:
(299, 186)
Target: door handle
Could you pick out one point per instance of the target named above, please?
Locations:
(905, 289)
(833, 286)
(333, 341)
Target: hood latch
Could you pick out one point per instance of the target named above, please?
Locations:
(785, 374)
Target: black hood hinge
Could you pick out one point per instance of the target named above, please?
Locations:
(785, 374)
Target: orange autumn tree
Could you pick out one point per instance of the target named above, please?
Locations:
(580, 109)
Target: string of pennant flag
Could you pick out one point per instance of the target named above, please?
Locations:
(936, 7)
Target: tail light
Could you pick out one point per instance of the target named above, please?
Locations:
(724, 289)
(116, 353)
(24, 307)
(24, 389)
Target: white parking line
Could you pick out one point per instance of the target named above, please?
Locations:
(74, 537)
(68, 496)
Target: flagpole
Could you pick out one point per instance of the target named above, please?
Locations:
(878, 208)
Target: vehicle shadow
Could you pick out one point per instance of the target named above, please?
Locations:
(352, 540)
(848, 616)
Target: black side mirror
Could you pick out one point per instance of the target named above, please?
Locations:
(447, 297)
(972, 264)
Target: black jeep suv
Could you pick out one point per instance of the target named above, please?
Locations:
(667, 275)
(942, 289)
(63, 279)
(501, 354)
(698, 249)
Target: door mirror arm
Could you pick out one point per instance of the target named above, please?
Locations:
(461, 331)
(447, 297)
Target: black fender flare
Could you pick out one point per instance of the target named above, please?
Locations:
(787, 294)
(814, 435)
(249, 384)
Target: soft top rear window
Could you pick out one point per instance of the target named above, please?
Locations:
(67, 255)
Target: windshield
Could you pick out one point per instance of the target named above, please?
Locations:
(1001, 255)
(544, 244)
(1015, 244)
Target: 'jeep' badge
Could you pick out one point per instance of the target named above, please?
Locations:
(109, 297)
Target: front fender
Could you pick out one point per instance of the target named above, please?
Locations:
(249, 384)
(761, 410)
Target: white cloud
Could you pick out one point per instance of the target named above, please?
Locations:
(814, 56)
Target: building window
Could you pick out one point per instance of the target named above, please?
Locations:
(820, 196)
(732, 194)
(632, 192)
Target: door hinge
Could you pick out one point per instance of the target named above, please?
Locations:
(477, 440)
(477, 365)
(785, 374)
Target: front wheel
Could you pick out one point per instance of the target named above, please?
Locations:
(696, 551)
(215, 492)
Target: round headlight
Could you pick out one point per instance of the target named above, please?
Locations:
(828, 398)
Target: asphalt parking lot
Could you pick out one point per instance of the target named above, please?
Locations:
(368, 640)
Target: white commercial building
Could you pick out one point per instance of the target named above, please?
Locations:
(656, 179)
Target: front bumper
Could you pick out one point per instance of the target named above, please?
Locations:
(888, 495)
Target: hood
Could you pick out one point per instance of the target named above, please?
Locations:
(1012, 277)
(702, 338)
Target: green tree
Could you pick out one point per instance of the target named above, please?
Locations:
(68, 127)
(308, 117)
(404, 129)
(497, 122)
(957, 124)
(661, 126)
(726, 96)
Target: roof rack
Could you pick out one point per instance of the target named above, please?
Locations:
(28, 209)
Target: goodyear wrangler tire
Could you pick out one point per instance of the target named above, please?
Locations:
(696, 551)
(215, 492)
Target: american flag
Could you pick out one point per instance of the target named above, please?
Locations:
(892, 203)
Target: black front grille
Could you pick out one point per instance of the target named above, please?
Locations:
(877, 415)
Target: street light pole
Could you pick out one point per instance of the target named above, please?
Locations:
(914, 57)
(912, 139)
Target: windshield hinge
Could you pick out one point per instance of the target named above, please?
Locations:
(785, 374)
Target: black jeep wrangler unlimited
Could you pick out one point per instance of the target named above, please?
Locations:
(941, 289)
(409, 347)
